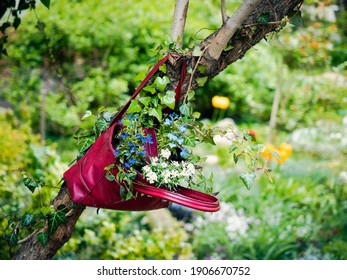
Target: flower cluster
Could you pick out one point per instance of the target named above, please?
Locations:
(171, 167)
(280, 154)
(162, 170)
(130, 149)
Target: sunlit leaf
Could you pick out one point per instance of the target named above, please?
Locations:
(134, 107)
(27, 220)
(169, 99)
(248, 179)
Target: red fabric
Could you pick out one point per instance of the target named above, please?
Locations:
(88, 185)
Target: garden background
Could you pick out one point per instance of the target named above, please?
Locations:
(84, 55)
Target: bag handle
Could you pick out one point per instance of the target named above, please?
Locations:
(178, 90)
(183, 196)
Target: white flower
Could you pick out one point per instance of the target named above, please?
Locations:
(151, 177)
(165, 153)
(146, 169)
(154, 161)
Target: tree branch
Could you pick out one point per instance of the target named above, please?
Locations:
(232, 24)
(179, 21)
(223, 11)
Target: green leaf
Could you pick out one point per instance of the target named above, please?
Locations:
(232, 148)
(235, 158)
(186, 109)
(16, 22)
(88, 120)
(190, 141)
(11, 239)
(197, 51)
(264, 19)
(196, 115)
(297, 19)
(169, 99)
(140, 76)
(156, 112)
(27, 220)
(209, 139)
(248, 179)
(30, 183)
(110, 177)
(202, 68)
(275, 155)
(161, 83)
(162, 68)
(47, 3)
(191, 42)
(43, 238)
(201, 81)
(134, 107)
(150, 89)
(191, 95)
(145, 100)
(101, 124)
(228, 48)
(62, 208)
(55, 220)
(85, 143)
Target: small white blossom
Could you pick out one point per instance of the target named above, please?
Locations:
(165, 153)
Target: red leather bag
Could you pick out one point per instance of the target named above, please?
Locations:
(88, 185)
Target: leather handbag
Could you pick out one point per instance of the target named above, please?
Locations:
(88, 185)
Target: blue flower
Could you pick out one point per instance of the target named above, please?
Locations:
(172, 136)
(184, 153)
(167, 122)
(127, 164)
(180, 141)
(130, 117)
(124, 135)
(141, 153)
(150, 139)
(182, 128)
(173, 116)
(116, 152)
(132, 161)
(172, 145)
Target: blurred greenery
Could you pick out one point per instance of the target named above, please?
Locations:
(82, 55)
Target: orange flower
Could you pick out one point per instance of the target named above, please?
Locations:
(286, 148)
(282, 156)
(220, 102)
(267, 151)
(314, 45)
(253, 134)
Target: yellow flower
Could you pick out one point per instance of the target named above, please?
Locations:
(267, 151)
(282, 156)
(220, 102)
(287, 148)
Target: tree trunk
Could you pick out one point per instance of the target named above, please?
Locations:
(248, 32)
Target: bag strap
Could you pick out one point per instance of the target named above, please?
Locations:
(178, 90)
(183, 196)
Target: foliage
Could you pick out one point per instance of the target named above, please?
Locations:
(23, 212)
(123, 235)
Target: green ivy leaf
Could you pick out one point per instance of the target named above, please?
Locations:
(43, 238)
(150, 89)
(110, 177)
(140, 76)
(297, 19)
(235, 158)
(186, 109)
(145, 100)
(197, 51)
(190, 141)
(201, 81)
(202, 68)
(27, 220)
(156, 112)
(191, 95)
(134, 107)
(47, 3)
(248, 179)
(263, 19)
(11, 239)
(161, 83)
(31, 184)
(232, 148)
(101, 124)
(55, 220)
(85, 143)
(169, 99)
(16, 22)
